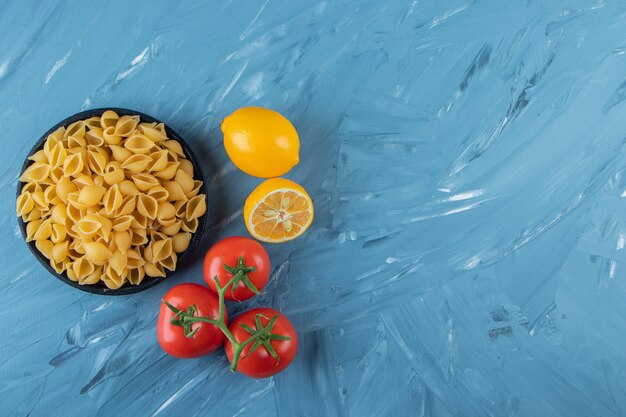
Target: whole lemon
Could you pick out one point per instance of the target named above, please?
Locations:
(261, 142)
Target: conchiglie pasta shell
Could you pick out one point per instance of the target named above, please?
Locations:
(36, 172)
(136, 275)
(171, 229)
(93, 122)
(95, 137)
(73, 165)
(88, 226)
(122, 223)
(34, 214)
(107, 226)
(109, 136)
(186, 166)
(59, 267)
(128, 187)
(24, 204)
(159, 161)
(151, 133)
(147, 206)
(59, 252)
(196, 207)
(138, 237)
(174, 146)
(174, 190)
(92, 278)
(56, 174)
(91, 195)
(113, 173)
(161, 249)
(144, 181)
(128, 206)
(82, 267)
(159, 193)
(75, 143)
(181, 208)
(190, 225)
(97, 162)
(137, 163)
(65, 186)
(57, 155)
(45, 247)
(139, 221)
(139, 144)
(120, 154)
(122, 240)
(184, 180)
(96, 252)
(112, 279)
(70, 271)
(31, 228)
(180, 242)
(118, 262)
(169, 263)
(76, 129)
(82, 181)
(58, 234)
(134, 259)
(39, 156)
(112, 200)
(43, 231)
(168, 172)
(126, 125)
(153, 270)
(58, 213)
(108, 119)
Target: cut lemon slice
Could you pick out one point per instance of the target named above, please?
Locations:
(278, 210)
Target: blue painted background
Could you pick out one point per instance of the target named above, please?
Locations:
(466, 159)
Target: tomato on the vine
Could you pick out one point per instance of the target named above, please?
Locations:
(190, 339)
(239, 258)
(272, 351)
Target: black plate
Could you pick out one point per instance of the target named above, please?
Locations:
(100, 288)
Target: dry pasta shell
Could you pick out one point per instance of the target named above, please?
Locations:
(59, 251)
(128, 187)
(96, 252)
(122, 240)
(97, 162)
(151, 133)
(82, 181)
(147, 206)
(138, 236)
(107, 226)
(73, 165)
(73, 213)
(112, 279)
(137, 163)
(73, 201)
(65, 186)
(139, 221)
(112, 200)
(59, 233)
(56, 156)
(109, 136)
(39, 198)
(181, 208)
(24, 204)
(31, 228)
(184, 180)
(36, 172)
(43, 231)
(92, 278)
(195, 190)
(153, 270)
(39, 156)
(196, 207)
(139, 144)
(56, 174)
(186, 166)
(34, 214)
(58, 213)
(159, 161)
(31, 187)
(82, 267)
(136, 275)
(76, 129)
(122, 223)
(92, 194)
(70, 271)
(113, 173)
(120, 154)
(159, 193)
(171, 229)
(168, 172)
(118, 262)
(134, 259)
(59, 267)
(156, 236)
(108, 119)
(144, 181)
(128, 206)
(126, 125)
(189, 225)
(88, 226)
(45, 247)
(180, 242)
(174, 190)
(174, 146)
(75, 143)
(166, 211)
(169, 263)
(93, 123)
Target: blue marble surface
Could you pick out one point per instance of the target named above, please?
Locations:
(466, 159)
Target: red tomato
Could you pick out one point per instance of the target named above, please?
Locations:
(260, 363)
(207, 337)
(239, 257)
